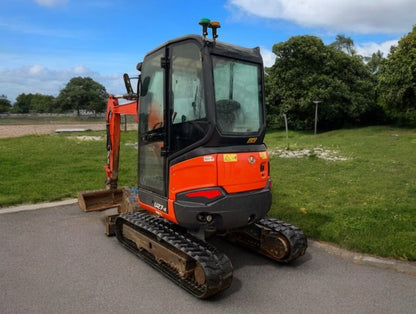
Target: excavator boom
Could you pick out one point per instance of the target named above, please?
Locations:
(114, 112)
(112, 196)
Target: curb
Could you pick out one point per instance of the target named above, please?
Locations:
(403, 267)
(20, 208)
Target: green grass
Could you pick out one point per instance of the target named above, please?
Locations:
(366, 203)
(53, 167)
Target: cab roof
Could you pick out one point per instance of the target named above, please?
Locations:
(218, 48)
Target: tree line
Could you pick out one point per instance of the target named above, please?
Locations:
(79, 94)
(351, 90)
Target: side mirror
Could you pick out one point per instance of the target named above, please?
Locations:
(127, 83)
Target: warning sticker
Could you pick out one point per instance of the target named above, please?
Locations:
(263, 155)
(230, 157)
(209, 158)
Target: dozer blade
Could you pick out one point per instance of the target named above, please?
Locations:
(100, 199)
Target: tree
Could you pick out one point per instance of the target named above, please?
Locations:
(397, 81)
(290, 78)
(22, 104)
(42, 103)
(5, 104)
(82, 93)
(34, 103)
(343, 43)
(306, 70)
(375, 61)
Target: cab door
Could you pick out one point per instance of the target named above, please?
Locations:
(188, 114)
(172, 117)
(152, 129)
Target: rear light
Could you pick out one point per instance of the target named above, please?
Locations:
(210, 194)
(202, 196)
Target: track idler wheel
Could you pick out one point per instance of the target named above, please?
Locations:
(273, 238)
(199, 274)
(275, 246)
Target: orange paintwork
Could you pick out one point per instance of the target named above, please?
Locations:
(114, 110)
(235, 172)
(195, 173)
(243, 171)
(169, 216)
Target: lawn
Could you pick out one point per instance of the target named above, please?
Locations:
(362, 198)
(53, 167)
(356, 188)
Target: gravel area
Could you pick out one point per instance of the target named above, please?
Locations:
(37, 129)
(318, 152)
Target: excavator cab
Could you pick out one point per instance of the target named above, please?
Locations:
(203, 168)
(202, 160)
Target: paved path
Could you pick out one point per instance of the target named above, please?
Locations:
(58, 260)
(38, 129)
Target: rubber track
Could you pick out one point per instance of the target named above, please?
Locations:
(216, 265)
(295, 236)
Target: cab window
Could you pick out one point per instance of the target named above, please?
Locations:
(189, 121)
(238, 96)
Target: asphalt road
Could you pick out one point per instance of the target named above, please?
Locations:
(58, 260)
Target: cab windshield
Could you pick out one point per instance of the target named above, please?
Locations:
(238, 96)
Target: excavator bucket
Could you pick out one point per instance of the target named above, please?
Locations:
(100, 199)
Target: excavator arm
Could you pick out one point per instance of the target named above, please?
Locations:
(113, 121)
(112, 196)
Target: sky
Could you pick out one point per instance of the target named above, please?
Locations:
(44, 43)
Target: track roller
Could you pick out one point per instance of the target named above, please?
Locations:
(194, 265)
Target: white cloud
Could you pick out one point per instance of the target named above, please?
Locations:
(268, 57)
(369, 16)
(80, 70)
(367, 49)
(39, 79)
(51, 3)
(36, 69)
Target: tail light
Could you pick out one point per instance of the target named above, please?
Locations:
(210, 194)
(204, 196)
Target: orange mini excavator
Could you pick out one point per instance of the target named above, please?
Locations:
(203, 168)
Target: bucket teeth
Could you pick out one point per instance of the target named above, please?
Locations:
(100, 199)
